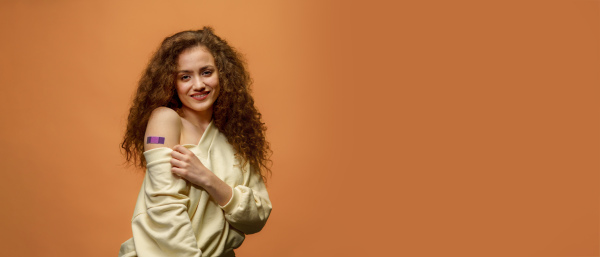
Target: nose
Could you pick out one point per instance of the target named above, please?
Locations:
(198, 84)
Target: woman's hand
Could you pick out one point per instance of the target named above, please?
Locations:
(185, 163)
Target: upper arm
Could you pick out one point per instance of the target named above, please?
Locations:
(163, 123)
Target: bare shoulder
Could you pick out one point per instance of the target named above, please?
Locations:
(163, 130)
(165, 114)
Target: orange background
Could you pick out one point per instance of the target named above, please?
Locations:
(399, 128)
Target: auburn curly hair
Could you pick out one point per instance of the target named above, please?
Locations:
(234, 113)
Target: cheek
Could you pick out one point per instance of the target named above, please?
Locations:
(181, 88)
(214, 83)
(215, 79)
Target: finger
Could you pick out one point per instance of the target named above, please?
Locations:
(181, 149)
(184, 150)
(178, 163)
(179, 172)
(177, 155)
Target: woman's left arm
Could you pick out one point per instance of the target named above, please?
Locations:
(187, 165)
(247, 207)
(250, 206)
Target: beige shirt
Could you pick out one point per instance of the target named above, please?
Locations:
(173, 217)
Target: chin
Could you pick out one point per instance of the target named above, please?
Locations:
(200, 109)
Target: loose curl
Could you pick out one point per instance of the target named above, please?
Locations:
(234, 113)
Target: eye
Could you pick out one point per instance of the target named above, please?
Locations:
(207, 73)
(185, 77)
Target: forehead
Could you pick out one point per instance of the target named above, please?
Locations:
(195, 56)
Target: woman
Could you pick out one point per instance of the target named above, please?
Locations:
(193, 125)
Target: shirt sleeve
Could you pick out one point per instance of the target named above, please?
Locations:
(249, 206)
(164, 229)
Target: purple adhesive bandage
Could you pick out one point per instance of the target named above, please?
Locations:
(155, 140)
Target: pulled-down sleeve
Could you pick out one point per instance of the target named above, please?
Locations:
(161, 225)
(249, 206)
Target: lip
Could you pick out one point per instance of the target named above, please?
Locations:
(201, 98)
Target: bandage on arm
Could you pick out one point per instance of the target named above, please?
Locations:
(162, 225)
(163, 130)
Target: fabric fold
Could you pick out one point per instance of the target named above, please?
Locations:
(172, 217)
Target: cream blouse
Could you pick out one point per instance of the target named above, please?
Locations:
(173, 217)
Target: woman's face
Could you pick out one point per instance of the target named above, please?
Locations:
(197, 80)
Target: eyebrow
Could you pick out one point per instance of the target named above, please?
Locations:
(189, 71)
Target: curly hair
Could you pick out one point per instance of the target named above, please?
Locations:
(234, 113)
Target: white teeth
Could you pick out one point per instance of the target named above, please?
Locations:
(199, 96)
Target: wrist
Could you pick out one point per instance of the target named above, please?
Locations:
(203, 178)
(208, 182)
(219, 190)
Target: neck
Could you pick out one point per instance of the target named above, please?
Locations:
(198, 119)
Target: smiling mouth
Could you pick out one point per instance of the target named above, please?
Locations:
(200, 96)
